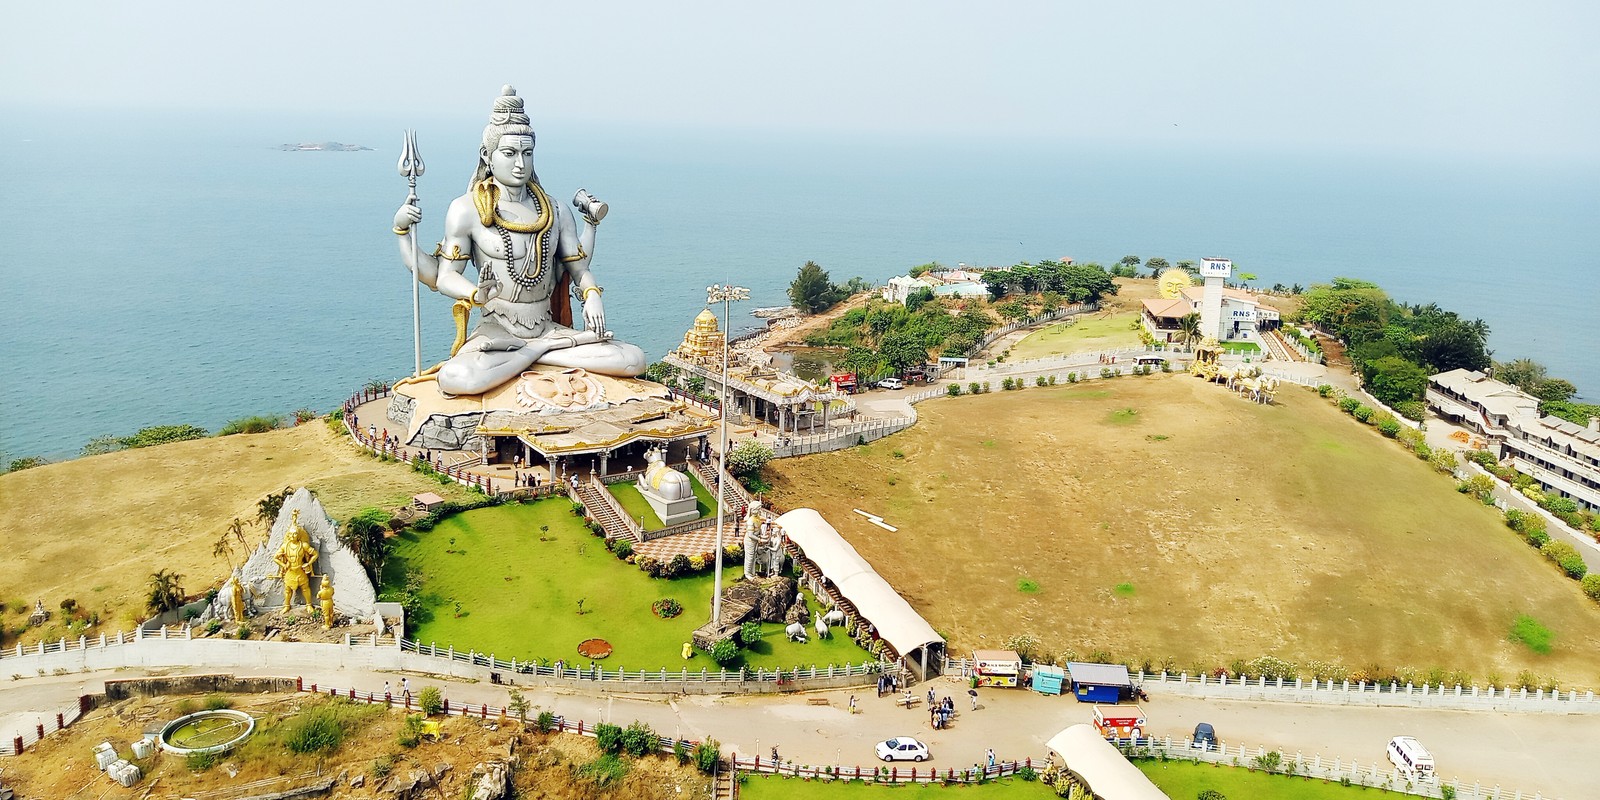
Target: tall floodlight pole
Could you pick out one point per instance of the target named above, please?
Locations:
(411, 168)
(724, 294)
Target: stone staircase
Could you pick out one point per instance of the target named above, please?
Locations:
(724, 787)
(732, 493)
(600, 511)
(1279, 348)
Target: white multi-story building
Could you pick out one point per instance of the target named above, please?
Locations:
(1225, 314)
(1563, 458)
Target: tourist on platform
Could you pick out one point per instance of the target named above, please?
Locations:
(991, 758)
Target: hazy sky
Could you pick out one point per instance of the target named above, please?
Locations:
(1501, 77)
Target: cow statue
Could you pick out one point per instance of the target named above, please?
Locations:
(822, 628)
(834, 617)
(796, 632)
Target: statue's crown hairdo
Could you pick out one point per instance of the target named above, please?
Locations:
(506, 118)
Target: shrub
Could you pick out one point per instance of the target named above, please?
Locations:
(256, 424)
(1052, 380)
(680, 751)
(1390, 428)
(679, 565)
(200, 762)
(1537, 537)
(1591, 585)
(217, 702)
(748, 458)
(1361, 412)
(667, 608)
(750, 633)
(1410, 409)
(1072, 377)
(319, 729)
(1349, 404)
(622, 548)
(1105, 372)
(972, 388)
(986, 387)
(1040, 381)
(609, 737)
(545, 722)
(1442, 460)
(1565, 556)
(1516, 520)
(639, 740)
(605, 771)
(410, 734)
(1323, 389)
(954, 390)
(430, 700)
(706, 755)
(649, 566)
(698, 563)
(1213, 794)
(1005, 385)
(724, 652)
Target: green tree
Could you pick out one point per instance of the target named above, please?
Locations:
(1189, 329)
(923, 269)
(1246, 277)
(1131, 262)
(811, 291)
(165, 591)
(27, 462)
(724, 652)
(901, 351)
(1155, 265)
(430, 700)
(1455, 347)
(366, 536)
(1396, 380)
(748, 458)
(916, 299)
(267, 508)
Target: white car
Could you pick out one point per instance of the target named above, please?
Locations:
(902, 748)
(891, 383)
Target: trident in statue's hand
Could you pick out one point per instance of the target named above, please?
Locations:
(411, 167)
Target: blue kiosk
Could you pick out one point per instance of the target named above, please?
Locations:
(1099, 683)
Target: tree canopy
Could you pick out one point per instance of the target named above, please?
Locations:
(1077, 283)
(812, 291)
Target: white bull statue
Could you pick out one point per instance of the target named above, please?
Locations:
(822, 628)
(834, 617)
(796, 632)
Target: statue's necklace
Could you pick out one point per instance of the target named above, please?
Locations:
(533, 270)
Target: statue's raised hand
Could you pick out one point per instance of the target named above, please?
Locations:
(408, 215)
(594, 315)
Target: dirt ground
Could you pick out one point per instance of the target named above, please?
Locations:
(63, 765)
(93, 529)
(1163, 518)
(796, 335)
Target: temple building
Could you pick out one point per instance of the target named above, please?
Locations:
(756, 390)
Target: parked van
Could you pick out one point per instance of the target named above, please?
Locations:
(1411, 758)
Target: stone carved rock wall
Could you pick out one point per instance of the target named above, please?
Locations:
(353, 594)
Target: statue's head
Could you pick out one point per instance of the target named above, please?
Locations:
(507, 148)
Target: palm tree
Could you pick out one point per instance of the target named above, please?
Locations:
(166, 593)
(1189, 329)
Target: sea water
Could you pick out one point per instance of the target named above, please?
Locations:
(181, 269)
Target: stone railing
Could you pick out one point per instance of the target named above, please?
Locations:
(1461, 698)
(893, 773)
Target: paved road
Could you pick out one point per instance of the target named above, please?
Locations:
(1529, 752)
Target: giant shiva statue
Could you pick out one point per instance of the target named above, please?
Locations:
(530, 254)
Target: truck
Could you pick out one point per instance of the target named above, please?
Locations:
(1119, 722)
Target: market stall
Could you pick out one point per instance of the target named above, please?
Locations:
(997, 668)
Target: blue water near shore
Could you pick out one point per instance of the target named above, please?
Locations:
(185, 270)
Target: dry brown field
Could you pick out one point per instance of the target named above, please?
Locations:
(60, 765)
(1163, 518)
(93, 529)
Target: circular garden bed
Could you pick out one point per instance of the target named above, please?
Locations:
(594, 648)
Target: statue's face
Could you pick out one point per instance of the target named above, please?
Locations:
(511, 162)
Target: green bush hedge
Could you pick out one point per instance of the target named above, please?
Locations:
(1349, 405)
(1565, 556)
(1591, 586)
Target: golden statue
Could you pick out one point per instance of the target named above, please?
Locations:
(326, 596)
(296, 560)
(236, 596)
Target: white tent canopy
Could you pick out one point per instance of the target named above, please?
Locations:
(855, 579)
(1108, 773)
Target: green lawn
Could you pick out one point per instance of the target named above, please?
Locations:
(771, 787)
(518, 596)
(633, 502)
(1085, 334)
(1184, 779)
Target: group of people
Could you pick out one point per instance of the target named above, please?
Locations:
(940, 711)
(888, 684)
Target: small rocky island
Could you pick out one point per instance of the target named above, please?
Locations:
(333, 146)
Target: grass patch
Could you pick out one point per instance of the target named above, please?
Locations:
(1184, 779)
(1157, 437)
(1027, 586)
(513, 577)
(1084, 334)
(1123, 590)
(1527, 630)
(1277, 526)
(1123, 416)
(633, 502)
(773, 787)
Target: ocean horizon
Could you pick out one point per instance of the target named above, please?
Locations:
(192, 272)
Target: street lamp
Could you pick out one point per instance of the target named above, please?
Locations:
(723, 294)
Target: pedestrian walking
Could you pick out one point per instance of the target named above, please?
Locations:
(932, 699)
(386, 689)
(852, 704)
(991, 758)
(973, 693)
(405, 686)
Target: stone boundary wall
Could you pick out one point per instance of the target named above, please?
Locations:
(156, 653)
(195, 684)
